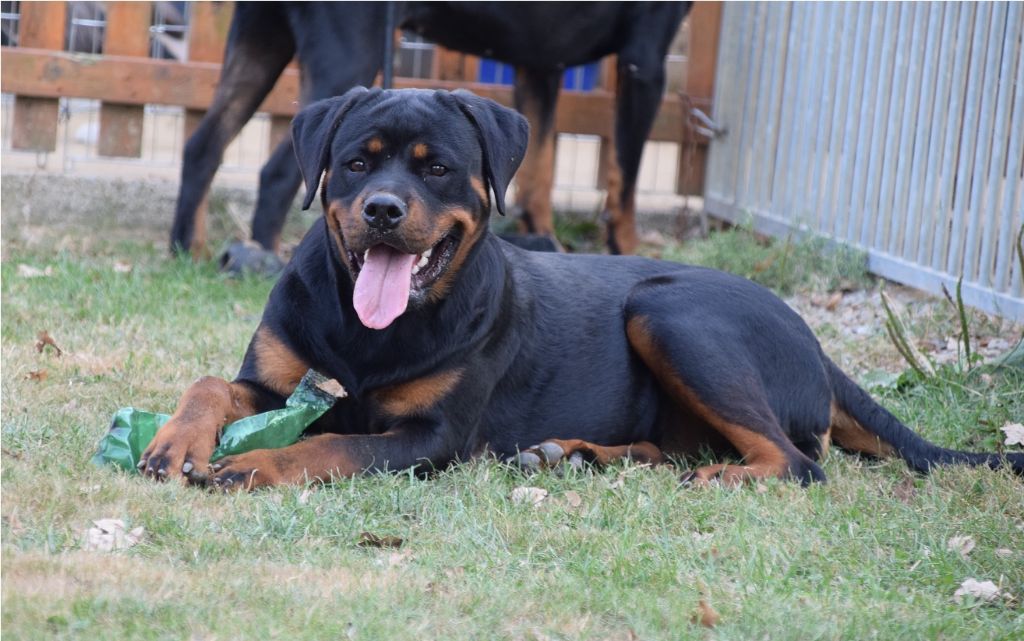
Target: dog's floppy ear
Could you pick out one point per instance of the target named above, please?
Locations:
(313, 130)
(503, 135)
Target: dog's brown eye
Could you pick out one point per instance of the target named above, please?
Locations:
(357, 165)
(438, 170)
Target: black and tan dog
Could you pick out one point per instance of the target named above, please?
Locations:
(339, 45)
(452, 343)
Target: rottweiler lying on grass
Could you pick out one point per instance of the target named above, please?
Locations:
(453, 344)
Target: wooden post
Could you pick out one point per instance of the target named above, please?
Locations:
(705, 24)
(127, 34)
(41, 26)
(207, 35)
(608, 173)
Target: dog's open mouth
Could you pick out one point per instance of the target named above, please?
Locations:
(386, 279)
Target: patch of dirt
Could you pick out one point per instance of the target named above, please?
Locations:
(852, 332)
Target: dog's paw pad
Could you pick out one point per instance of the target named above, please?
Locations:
(527, 461)
(550, 452)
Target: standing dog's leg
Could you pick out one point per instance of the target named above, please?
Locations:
(641, 83)
(536, 96)
(259, 47)
(332, 61)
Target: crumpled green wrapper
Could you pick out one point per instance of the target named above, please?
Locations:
(132, 430)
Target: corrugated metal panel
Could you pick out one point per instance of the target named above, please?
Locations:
(897, 128)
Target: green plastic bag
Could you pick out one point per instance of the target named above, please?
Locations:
(132, 430)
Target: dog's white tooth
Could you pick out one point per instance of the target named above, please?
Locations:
(366, 254)
(422, 262)
(415, 270)
(426, 254)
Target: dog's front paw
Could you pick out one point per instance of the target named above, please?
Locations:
(258, 468)
(178, 451)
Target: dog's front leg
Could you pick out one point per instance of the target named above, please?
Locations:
(330, 456)
(182, 447)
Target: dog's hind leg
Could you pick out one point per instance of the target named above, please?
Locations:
(536, 96)
(258, 49)
(711, 381)
(641, 84)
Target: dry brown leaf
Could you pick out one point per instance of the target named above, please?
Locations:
(333, 387)
(762, 265)
(531, 495)
(38, 375)
(371, 540)
(1014, 433)
(706, 615)
(122, 267)
(833, 301)
(1004, 553)
(906, 490)
(28, 271)
(395, 559)
(984, 591)
(962, 544)
(573, 499)
(43, 339)
(108, 535)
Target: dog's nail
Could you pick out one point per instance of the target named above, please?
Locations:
(528, 460)
(187, 467)
(141, 465)
(687, 478)
(162, 471)
(576, 461)
(552, 452)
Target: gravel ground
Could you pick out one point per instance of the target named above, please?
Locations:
(851, 327)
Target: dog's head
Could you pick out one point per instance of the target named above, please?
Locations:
(407, 187)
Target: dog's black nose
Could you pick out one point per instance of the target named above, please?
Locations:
(384, 211)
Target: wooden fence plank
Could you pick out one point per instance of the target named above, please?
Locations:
(856, 214)
(35, 119)
(137, 81)
(951, 148)
(825, 107)
(983, 152)
(207, 35)
(847, 152)
(973, 104)
(879, 131)
(996, 178)
(944, 96)
(916, 217)
(1008, 272)
(126, 34)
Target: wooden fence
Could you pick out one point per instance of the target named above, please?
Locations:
(897, 128)
(38, 72)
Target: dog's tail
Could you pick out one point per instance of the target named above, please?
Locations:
(854, 403)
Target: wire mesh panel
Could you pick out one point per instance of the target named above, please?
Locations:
(896, 128)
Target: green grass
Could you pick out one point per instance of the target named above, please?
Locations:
(785, 266)
(863, 556)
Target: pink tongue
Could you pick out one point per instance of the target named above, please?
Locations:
(382, 288)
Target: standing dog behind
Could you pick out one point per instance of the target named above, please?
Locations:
(453, 344)
(339, 46)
